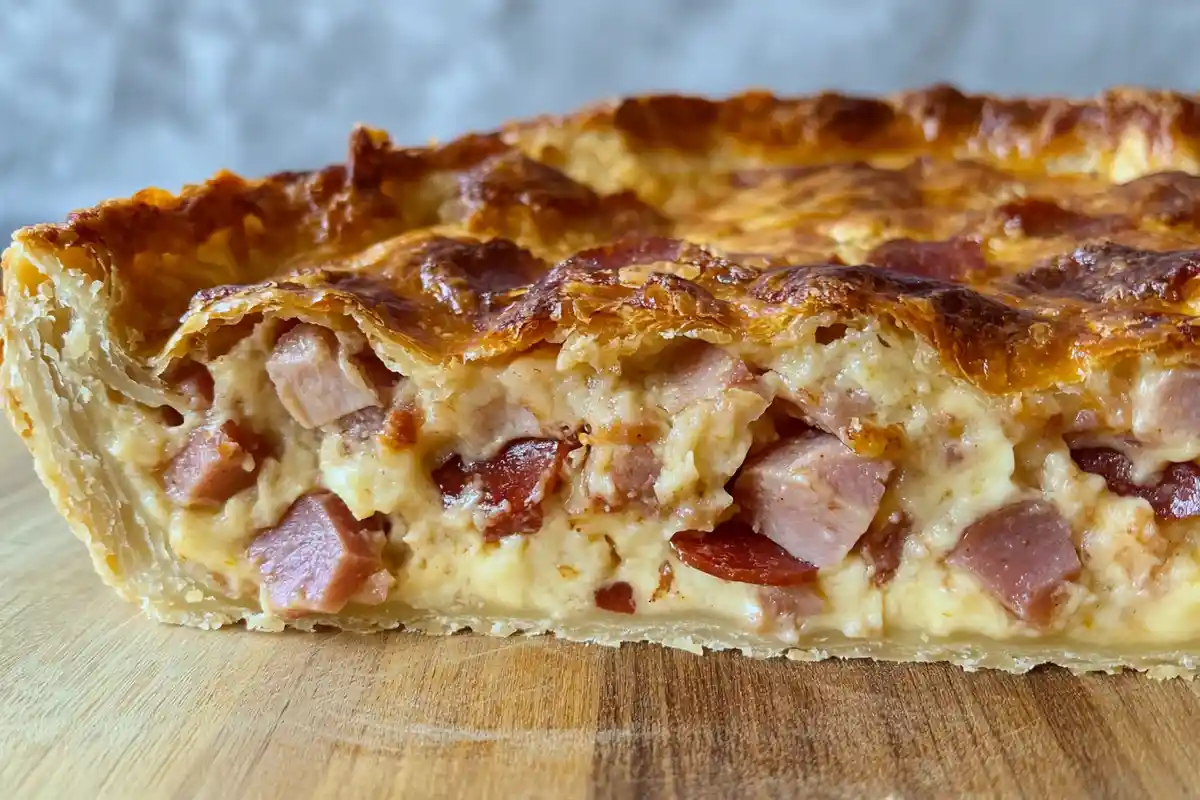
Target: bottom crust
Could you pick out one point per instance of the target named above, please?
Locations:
(697, 637)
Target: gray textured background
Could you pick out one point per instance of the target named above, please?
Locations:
(101, 97)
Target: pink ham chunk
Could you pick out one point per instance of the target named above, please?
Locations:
(701, 372)
(216, 463)
(812, 495)
(832, 411)
(375, 589)
(780, 608)
(1022, 553)
(622, 474)
(1166, 406)
(314, 384)
(195, 383)
(319, 557)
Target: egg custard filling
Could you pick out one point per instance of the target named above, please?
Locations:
(839, 487)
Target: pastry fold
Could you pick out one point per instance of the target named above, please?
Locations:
(908, 378)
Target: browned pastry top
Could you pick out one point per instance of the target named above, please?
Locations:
(1024, 239)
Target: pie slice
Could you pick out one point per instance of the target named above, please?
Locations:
(911, 378)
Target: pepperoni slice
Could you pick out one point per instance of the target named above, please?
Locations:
(1176, 495)
(616, 597)
(511, 486)
(734, 552)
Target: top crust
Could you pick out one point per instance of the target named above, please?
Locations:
(1063, 229)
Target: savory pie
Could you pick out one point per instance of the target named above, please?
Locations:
(910, 378)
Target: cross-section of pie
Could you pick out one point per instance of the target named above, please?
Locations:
(912, 378)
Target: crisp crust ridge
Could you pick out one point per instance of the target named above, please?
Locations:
(690, 177)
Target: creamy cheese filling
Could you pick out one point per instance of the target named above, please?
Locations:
(958, 452)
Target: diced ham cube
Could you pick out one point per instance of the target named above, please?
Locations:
(495, 425)
(319, 557)
(882, 547)
(1022, 553)
(506, 490)
(831, 411)
(362, 425)
(812, 495)
(375, 589)
(783, 607)
(313, 382)
(395, 428)
(701, 372)
(1166, 406)
(195, 382)
(216, 463)
(621, 474)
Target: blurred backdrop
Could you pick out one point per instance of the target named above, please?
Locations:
(101, 97)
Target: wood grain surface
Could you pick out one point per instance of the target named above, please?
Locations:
(99, 701)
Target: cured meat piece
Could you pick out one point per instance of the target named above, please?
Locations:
(781, 607)
(216, 463)
(396, 427)
(195, 382)
(1176, 494)
(1166, 406)
(812, 495)
(882, 547)
(375, 589)
(401, 425)
(318, 557)
(734, 552)
(701, 372)
(831, 411)
(621, 474)
(616, 597)
(1023, 554)
(313, 383)
(509, 489)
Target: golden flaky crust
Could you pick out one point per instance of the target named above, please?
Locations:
(1066, 231)
(742, 180)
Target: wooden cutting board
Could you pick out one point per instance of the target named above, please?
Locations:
(99, 701)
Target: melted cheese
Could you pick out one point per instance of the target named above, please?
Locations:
(964, 454)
